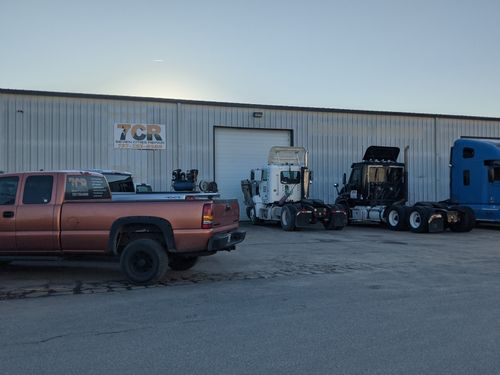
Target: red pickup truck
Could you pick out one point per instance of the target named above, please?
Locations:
(68, 213)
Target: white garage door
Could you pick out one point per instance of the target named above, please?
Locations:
(237, 151)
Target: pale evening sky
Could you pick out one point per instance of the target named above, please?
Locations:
(438, 56)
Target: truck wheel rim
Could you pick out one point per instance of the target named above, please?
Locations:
(284, 218)
(141, 262)
(393, 218)
(415, 219)
(253, 215)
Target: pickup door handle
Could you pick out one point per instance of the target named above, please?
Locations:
(8, 214)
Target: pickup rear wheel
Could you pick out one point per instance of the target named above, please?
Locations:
(180, 263)
(144, 261)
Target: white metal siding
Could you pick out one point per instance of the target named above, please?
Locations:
(56, 132)
(237, 151)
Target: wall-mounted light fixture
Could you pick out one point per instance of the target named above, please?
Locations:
(20, 111)
(257, 114)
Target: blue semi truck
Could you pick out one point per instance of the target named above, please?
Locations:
(377, 189)
(475, 176)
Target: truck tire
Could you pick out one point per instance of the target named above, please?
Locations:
(418, 219)
(253, 216)
(396, 218)
(467, 222)
(144, 261)
(288, 218)
(180, 263)
(248, 212)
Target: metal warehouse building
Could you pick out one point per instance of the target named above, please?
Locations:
(49, 130)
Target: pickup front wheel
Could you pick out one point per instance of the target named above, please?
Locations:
(144, 261)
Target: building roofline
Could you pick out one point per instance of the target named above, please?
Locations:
(240, 105)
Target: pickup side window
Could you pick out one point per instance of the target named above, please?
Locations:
(81, 187)
(38, 190)
(8, 190)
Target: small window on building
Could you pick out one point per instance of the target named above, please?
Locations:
(468, 153)
(466, 177)
(38, 190)
(8, 190)
(81, 187)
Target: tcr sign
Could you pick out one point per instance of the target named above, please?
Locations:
(140, 136)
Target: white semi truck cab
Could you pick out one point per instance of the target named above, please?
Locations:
(279, 192)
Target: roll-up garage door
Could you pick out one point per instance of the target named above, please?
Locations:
(237, 151)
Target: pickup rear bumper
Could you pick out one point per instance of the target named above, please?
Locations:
(226, 241)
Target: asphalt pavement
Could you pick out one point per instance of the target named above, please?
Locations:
(363, 300)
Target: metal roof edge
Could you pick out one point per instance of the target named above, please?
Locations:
(241, 105)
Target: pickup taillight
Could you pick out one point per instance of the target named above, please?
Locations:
(208, 216)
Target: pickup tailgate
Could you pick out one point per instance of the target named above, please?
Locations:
(225, 212)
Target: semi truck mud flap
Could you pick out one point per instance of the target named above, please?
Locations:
(436, 223)
(339, 218)
(303, 218)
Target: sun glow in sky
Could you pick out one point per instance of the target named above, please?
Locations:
(439, 56)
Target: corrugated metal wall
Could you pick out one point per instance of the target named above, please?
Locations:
(53, 132)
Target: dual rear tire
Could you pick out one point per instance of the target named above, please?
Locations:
(415, 218)
(397, 217)
(418, 219)
(467, 219)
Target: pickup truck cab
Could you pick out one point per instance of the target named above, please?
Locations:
(68, 213)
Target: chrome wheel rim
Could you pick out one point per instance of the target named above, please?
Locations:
(415, 219)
